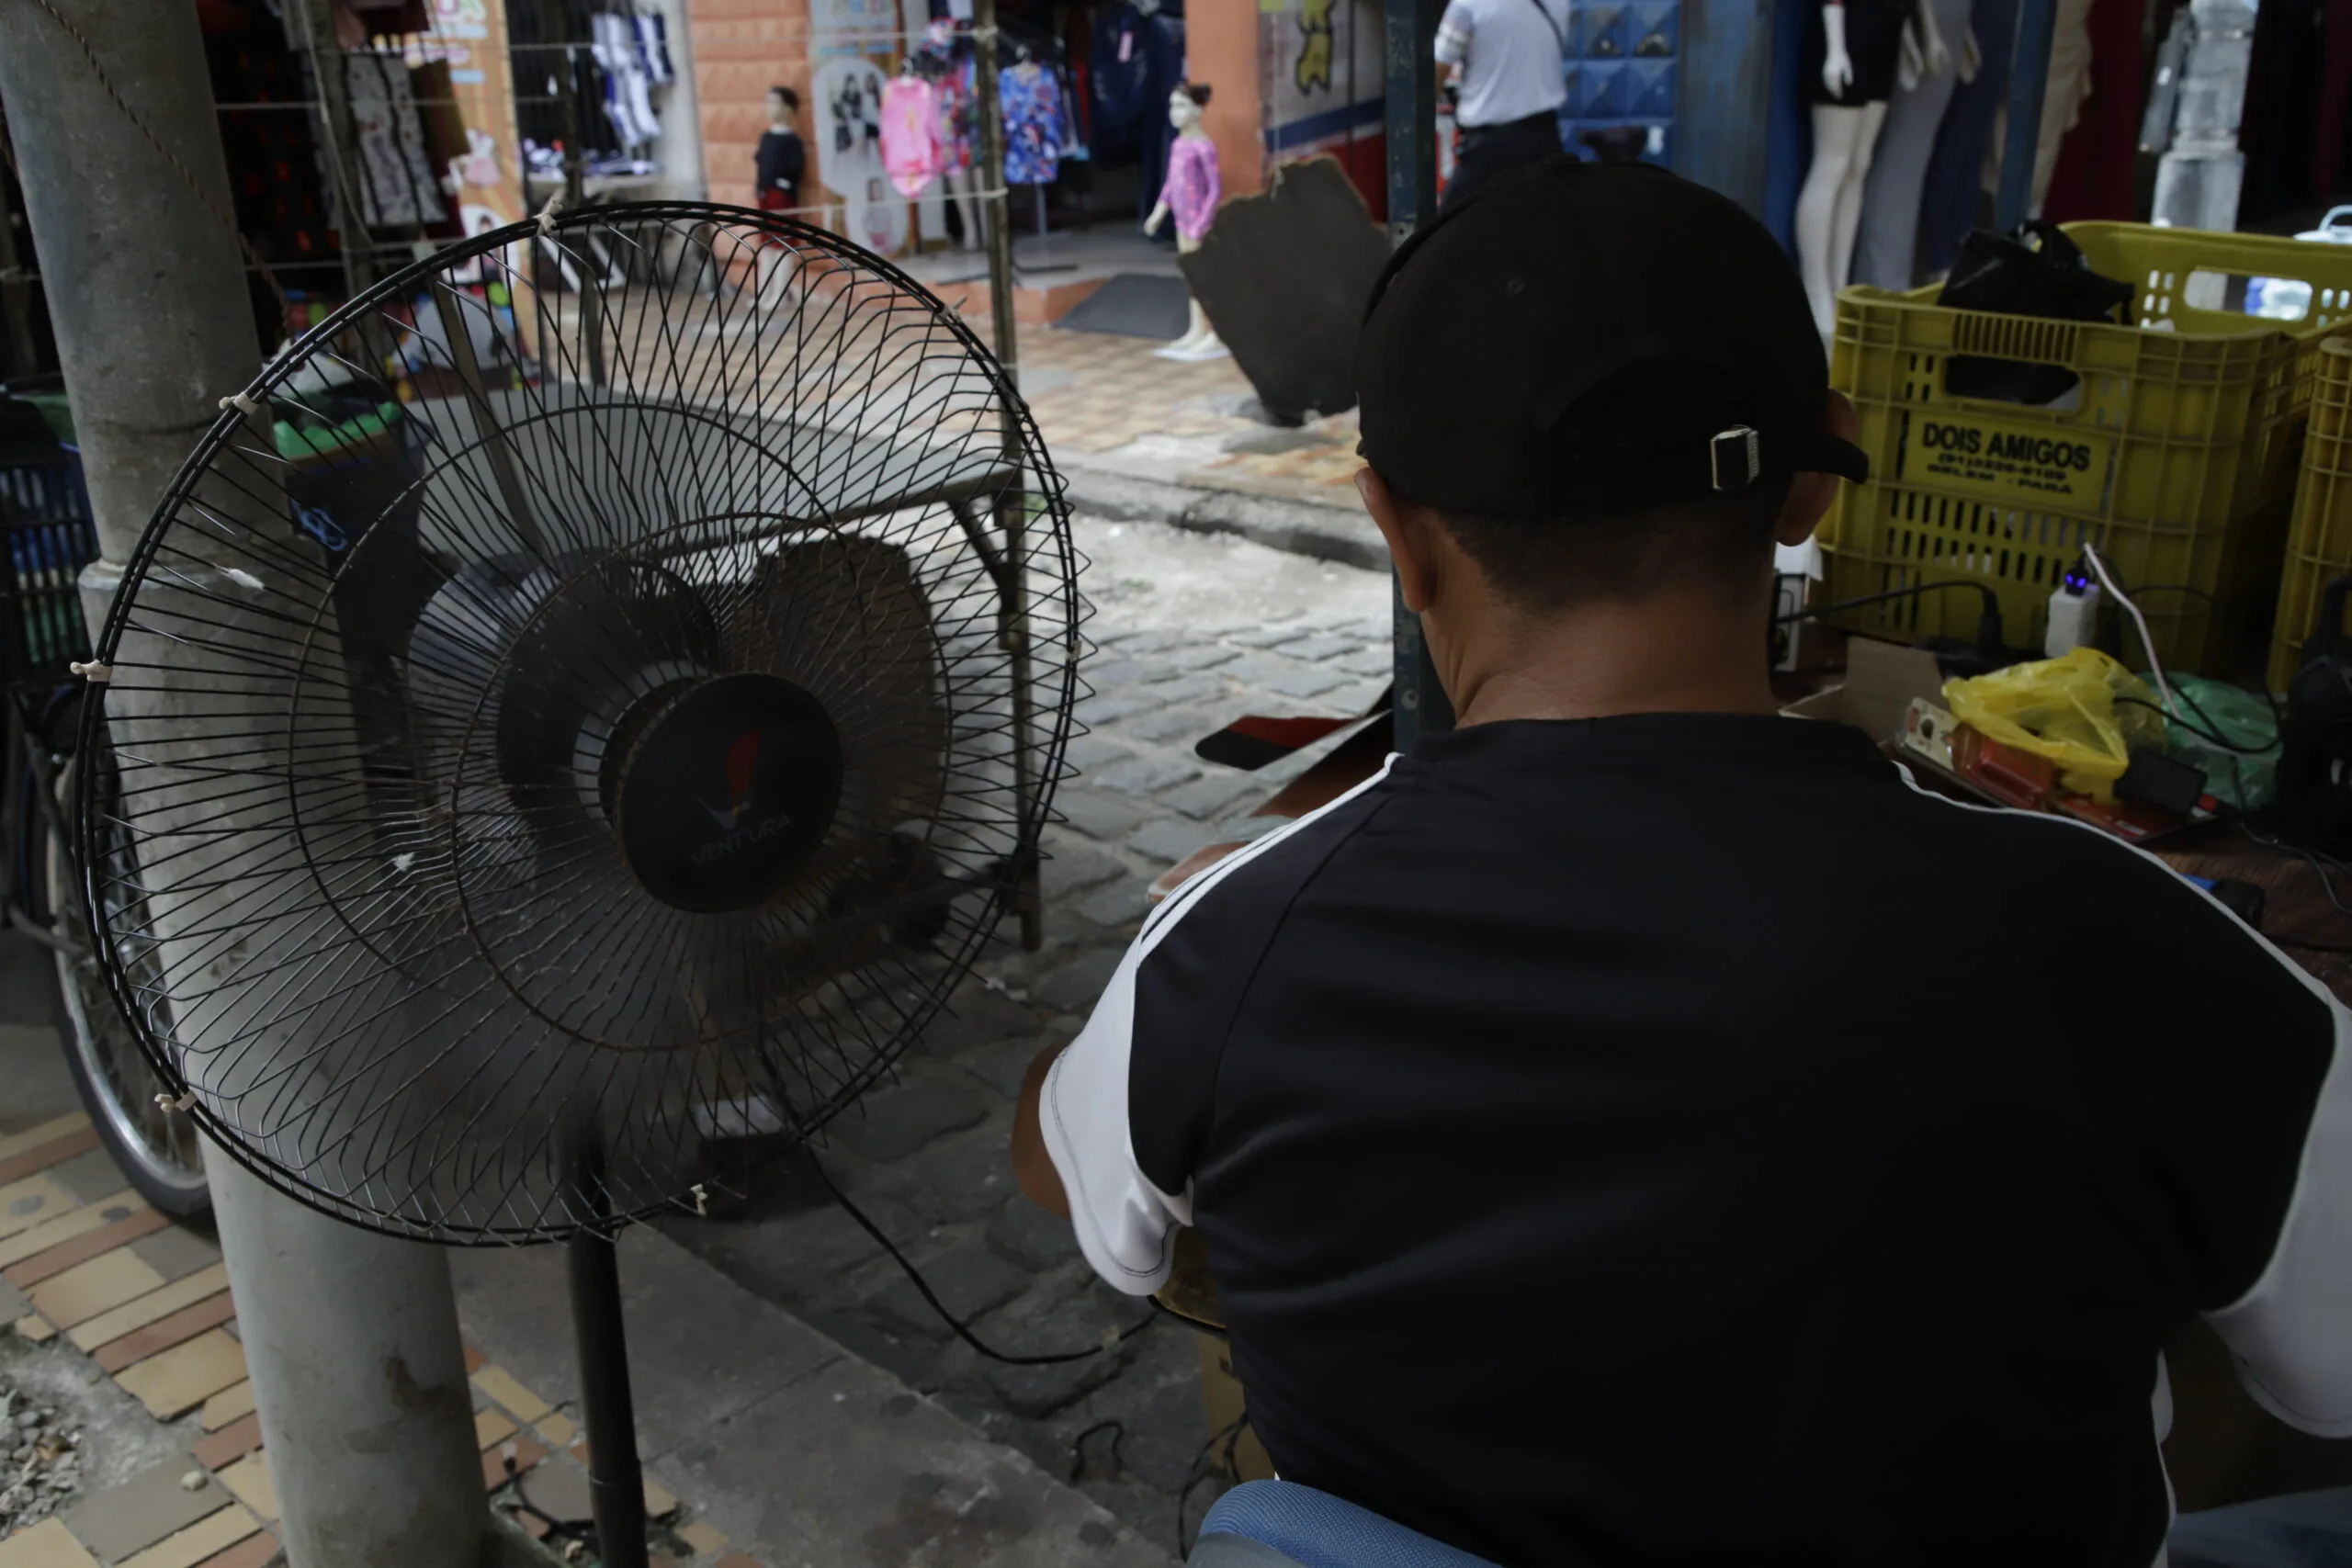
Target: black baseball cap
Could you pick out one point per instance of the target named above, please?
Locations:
(1591, 339)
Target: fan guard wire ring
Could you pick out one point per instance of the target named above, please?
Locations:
(1050, 681)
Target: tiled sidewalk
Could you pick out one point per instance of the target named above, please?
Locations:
(86, 1262)
(1099, 397)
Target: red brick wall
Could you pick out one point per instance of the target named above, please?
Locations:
(741, 49)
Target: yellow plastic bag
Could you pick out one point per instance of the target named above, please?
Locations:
(2064, 710)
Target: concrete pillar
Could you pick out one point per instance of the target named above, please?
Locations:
(359, 1378)
(351, 1337)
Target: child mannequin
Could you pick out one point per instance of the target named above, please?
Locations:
(1191, 192)
(782, 159)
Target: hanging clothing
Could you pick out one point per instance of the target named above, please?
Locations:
(1948, 197)
(1119, 73)
(1033, 124)
(2062, 99)
(2097, 163)
(399, 188)
(1192, 185)
(1886, 243)
(781, 160)
(1163, 45)
(958, 116)
(912, 155)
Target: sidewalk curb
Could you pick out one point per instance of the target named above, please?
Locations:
(1301, 527)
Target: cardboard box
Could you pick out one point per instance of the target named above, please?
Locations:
(1881, 680)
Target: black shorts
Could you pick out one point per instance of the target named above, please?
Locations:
(1485, 151)
(1873, 42)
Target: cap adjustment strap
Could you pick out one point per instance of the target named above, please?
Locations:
(1735, 457)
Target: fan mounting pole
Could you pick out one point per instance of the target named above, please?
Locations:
(616, 1481)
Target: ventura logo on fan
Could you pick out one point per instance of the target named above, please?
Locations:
(742, 761)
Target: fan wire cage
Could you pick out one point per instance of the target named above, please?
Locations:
(592, 695)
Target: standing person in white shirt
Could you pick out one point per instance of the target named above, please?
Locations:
(1504, 56)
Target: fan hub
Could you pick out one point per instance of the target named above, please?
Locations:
(726, 785)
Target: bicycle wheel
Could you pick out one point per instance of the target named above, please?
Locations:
(156, 1147)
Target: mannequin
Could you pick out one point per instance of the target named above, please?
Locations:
(1191, 192)
(1860, 45)
(782, 160)
(1887, 247)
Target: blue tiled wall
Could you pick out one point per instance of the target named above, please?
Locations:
(1621, 66)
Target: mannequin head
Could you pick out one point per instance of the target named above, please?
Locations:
(783, 104)
(1185, 104)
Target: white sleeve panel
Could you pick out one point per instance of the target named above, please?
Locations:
(1453, 34)
(1126, 1227)
(2293, 1332)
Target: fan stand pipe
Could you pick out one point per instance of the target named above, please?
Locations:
(616, 1479)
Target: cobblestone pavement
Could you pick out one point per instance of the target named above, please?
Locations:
(1191, 631)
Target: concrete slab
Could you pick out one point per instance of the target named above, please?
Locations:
(183, 1377)
(199, 1543)
(700, 1347)
(152, 1307)
(88, 1176)
(48, 1544)
(117, 1521)
(100, 1285)
(175, 1252)
(794, 1451)
(851, 1470)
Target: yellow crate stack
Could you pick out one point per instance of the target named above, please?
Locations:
(2319, 541)
(2172, 452)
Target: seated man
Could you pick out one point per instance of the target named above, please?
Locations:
(1639, 1128)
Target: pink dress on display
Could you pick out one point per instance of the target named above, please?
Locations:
(1192, 185)
(910, 150)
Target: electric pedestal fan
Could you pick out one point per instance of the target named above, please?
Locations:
(599, 688)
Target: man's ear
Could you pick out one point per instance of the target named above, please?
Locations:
(1406, 530)
(1812, 495)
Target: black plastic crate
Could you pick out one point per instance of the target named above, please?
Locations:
(45, 519)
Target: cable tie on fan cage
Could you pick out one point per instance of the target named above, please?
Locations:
(702, 1198)
(182, 1103)
(243, 404)
(548, 214)
(94, 670)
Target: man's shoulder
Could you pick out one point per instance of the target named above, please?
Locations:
(1263, 876)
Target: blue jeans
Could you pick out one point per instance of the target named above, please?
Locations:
(2303, 1530)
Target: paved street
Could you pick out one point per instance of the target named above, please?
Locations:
(1192, 631)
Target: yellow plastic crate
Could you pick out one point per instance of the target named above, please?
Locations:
(2319, 542)
(2173, 453)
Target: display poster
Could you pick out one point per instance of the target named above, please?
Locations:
(470, 37)
(853, 46)
(1323, 87)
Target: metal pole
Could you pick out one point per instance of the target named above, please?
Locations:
(1011, 505)
(616, 1480)
(351, 1339)
(996, 216)
(2029, 80)
(1420, 703)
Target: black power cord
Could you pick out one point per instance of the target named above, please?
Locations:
(2208, 735)
(1987, 649)
(963, 1331)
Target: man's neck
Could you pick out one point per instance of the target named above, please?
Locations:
(1604, 659)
